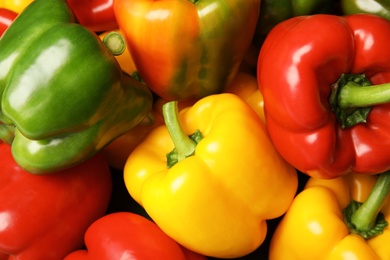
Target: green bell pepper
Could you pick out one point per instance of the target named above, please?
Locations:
(377, 7)
(62, 90)
(273, 12)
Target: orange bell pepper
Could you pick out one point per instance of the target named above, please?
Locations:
(187, 49)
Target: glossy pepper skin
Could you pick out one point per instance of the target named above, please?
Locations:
(376, 7)
(295, 80)
(15, 5)
(217, 201)
(45, 217)
(313, 227)
(97, 15)
(7, 16)
(62, 90)
(180, 47)
(120, 234)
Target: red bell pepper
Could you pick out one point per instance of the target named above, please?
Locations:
(314, 124)
(46, 216)
(6, 18)
(97, 15)
(125, 235)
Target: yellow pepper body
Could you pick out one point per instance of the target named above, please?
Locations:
(15, 5)
(313, 227)
(217, 201)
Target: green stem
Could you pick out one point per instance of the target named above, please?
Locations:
(353, 96)
(365, 218)
(184, 145)
(115, 42)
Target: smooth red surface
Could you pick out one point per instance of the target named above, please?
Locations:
(125, 235)
(298, 62)
(6, 18)
(97, 15)
(46, 216)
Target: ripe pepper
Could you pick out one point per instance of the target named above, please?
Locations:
(208, 194)
(120, 234)
(62, 90)
(187, 49)
(318, 223)
(7, 16)
(376, 7)
(46, 216)
(97, 15)
(15, 5)
(319, 115)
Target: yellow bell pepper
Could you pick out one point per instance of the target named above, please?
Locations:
(229, 180)
(314, 226)
(15, 5)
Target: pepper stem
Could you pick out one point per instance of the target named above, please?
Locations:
(184, 145)
(352, 97)
(115, 42)
(365, 218)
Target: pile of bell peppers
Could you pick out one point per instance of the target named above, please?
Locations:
(194, 129)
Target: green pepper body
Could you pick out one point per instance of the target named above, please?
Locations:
(62, 90)
(377, 7)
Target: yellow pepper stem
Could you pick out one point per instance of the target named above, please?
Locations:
(366, 219)
(184, 145)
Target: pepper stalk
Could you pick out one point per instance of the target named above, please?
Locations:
(115, 42)
(365, 219)
(353, 96)
(184, 145)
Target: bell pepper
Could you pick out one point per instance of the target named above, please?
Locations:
(46, 216)
(276, 11)
(376, 7)
(245, 86)
(320, 116)
(7, 16)
(187, 49)
(62, 90)
(15, 5)
(121, 234)
(97, 15)
(318, 223)
(214, 190)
